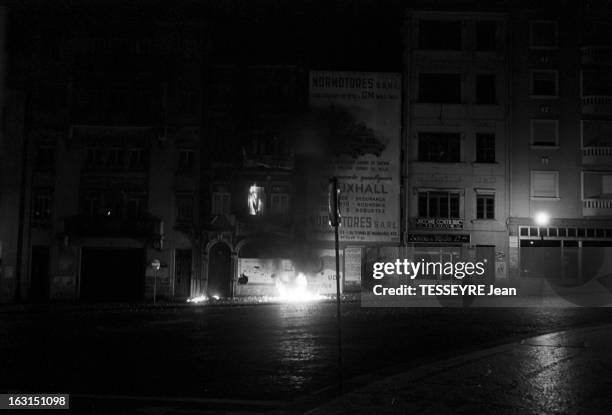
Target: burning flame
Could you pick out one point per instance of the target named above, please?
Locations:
(297, 291)
(199, 299)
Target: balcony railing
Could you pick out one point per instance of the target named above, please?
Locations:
(593, 55)
(597, 155)
(597, 207)
(597, 104)
(597, 203)
(269, 161)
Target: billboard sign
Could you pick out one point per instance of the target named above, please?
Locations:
(364, 109)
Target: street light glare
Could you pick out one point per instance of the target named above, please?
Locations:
(542, 218)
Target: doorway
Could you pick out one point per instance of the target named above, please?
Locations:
(219, 270)
(182, 273)
(112, 274)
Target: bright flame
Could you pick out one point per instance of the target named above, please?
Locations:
(199, 299)
(296, 292)
(216, 297)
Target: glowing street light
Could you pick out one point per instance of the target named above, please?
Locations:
(541, 219)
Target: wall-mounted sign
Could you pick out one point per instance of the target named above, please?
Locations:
(429, 238)
(438, 223)
(361, 112)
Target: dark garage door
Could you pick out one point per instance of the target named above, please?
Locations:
(112, 274)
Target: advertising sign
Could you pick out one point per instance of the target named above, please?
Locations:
(364, 109)
(439, 223)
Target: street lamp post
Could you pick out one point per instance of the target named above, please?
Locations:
(334, 221)
(541, 219)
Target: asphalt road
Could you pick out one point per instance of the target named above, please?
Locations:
(260, 353)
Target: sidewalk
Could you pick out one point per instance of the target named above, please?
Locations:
(160, 305)
(564, 372)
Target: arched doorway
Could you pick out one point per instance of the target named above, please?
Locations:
(219, 270)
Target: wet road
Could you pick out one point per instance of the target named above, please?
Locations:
(264, 352)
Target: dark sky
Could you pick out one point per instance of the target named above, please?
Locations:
(362, 35)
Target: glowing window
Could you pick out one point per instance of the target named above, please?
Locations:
(256, 200)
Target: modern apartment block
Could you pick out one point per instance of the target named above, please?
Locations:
(561, 157)
(456, 124)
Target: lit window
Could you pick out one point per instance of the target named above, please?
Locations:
(485, 206)
(485, 148)
(256, 200)
(544, 184)
(544, 132)
(438, 204)
(544, 83)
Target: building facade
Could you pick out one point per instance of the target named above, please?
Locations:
(456, 123)
(560, 158)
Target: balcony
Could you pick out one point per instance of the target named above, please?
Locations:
(597, 104)
(597, 207)
(597, 155)
(103, 226)
(596, 55)
(269, 161)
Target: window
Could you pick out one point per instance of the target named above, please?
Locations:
(440, 34)
(186, 160)
(485, 148)
(544, 184)
(135, 207)
(544, 34)
(135, 158)
(442, 88)
(184, 208)
(485, 206)
(439, 147)
(596, 81)
(606, 185)
(485, 89)
(220, 203)
(45, 157)
(256, 200)
(544, 132)
(42, 207)
(544, 83)
(279, 203)
(93, 156)
(114, 157)
(91, 205)
(438, 204)
(486, 32)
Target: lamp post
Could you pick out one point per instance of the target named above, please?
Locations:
(334, 221)
(541, 219)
